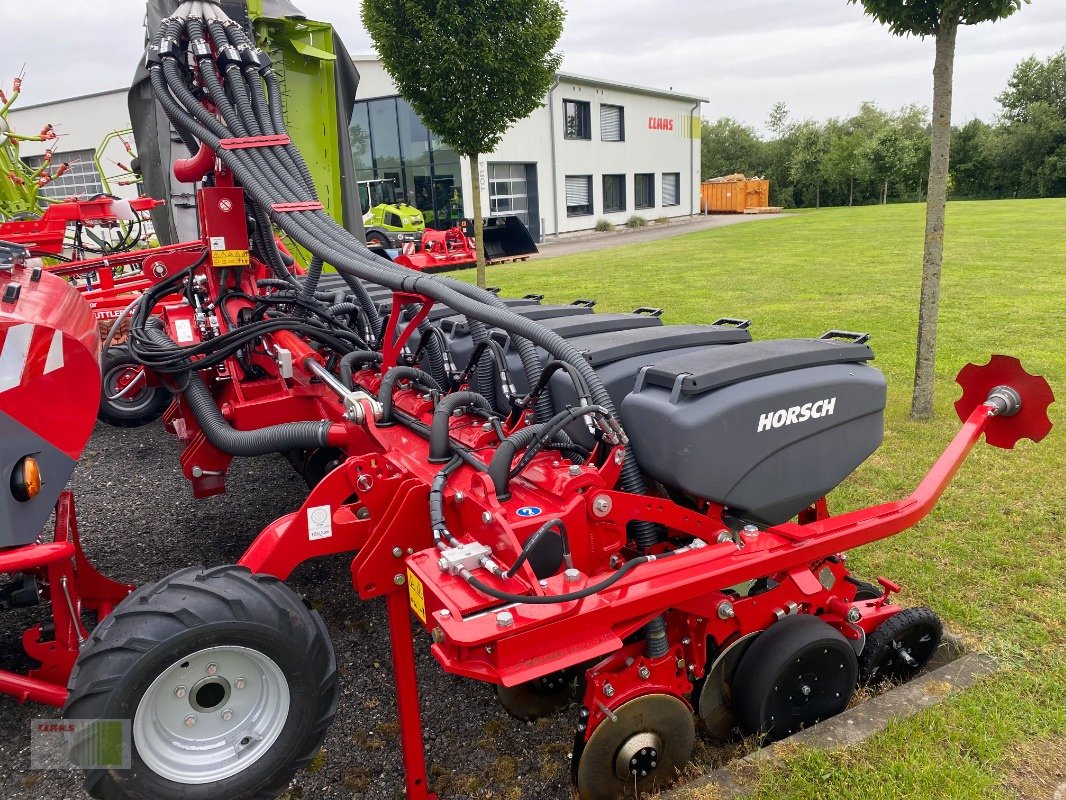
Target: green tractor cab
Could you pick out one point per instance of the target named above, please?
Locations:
(385, 216)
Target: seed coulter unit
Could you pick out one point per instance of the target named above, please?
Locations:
(559, 497)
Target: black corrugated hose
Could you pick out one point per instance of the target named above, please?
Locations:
(267, 179)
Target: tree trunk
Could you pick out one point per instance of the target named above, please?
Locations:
(818, 194)
(884, 194)
(936, 205)
(851, 191)
(479, 221)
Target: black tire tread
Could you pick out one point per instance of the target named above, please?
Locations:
(119, 641)
(116, 419)
(884, 633)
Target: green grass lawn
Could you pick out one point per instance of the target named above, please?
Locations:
(991, 559)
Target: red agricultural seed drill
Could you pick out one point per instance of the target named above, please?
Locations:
(559, 496)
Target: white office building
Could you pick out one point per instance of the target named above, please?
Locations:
(595, 149)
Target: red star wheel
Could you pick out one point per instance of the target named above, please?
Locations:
(1030, 422)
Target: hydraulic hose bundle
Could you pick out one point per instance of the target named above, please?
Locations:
(198, 57)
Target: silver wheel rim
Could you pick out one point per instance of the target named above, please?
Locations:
(211, 715)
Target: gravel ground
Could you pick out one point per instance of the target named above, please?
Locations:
(139, 522)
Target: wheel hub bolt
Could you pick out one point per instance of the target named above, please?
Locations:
(227, 715)
(190, 720)
(212, 669)
(240, 683)
(805, 689)
(180, 692)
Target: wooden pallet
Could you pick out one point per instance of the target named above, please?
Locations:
(764, 210)
(508, 259)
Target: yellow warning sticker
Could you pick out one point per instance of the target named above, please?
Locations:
(229, 258)
(417, 595)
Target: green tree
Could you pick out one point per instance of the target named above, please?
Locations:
(972, 173)
(940, 19)
(470, 70)
(727, 146)
(1035, 81)
(807, 164)
(894, 147)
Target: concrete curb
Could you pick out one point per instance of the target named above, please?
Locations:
(952, 669)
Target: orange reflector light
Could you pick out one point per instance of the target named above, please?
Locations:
(26, 479)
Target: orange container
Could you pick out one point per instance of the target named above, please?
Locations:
(757, 194)
(733, 197)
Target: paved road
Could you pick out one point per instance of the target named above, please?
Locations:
(653, 232)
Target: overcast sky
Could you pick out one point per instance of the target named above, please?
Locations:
(822, 57)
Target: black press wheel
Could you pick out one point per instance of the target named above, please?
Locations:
(639, 752)
(229, 682)
(864, 590)
(798, 672)
(900, 646)
(538, 698)
(126, 399)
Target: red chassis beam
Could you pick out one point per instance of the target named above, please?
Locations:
(531, 647)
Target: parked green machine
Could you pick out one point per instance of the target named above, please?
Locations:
(386, 215)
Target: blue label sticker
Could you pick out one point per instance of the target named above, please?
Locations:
(528, 511)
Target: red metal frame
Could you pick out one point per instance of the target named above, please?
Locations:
(71, 584)
(382, 520)
(47, 233)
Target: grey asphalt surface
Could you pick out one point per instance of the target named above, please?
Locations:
(139, 522)
(652, 232)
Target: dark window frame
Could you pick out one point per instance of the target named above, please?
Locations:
(582, 108)
(650, 176)
(621, 122)
(591, 204)
(620, 179)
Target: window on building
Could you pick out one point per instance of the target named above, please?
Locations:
(508, 190)
(359, 135)
(414, 138)
(385, 132)
(577, 118)
(80, 179)
(671, 188)
(614, 192)
(578, 195)
(390, 142)
(612, 123)
(644, 190)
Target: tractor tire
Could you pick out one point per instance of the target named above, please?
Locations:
(140, 407)
(900, 647)
(380, 240)
(228, 679)
(800, 671)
